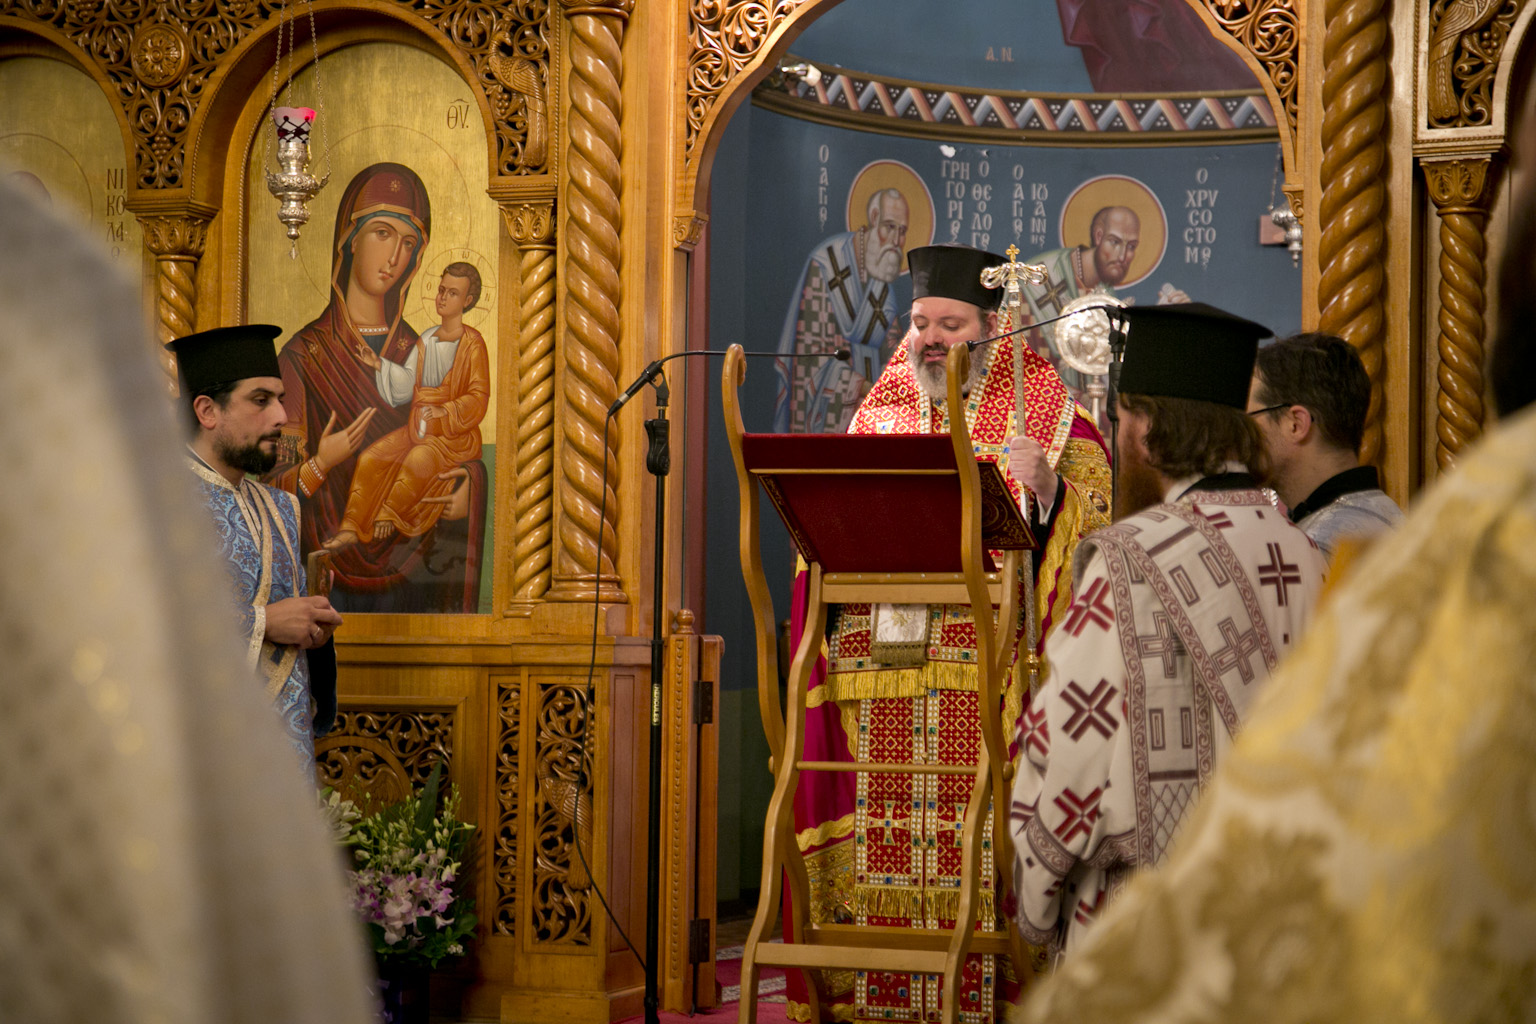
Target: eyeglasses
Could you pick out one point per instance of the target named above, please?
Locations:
(1270, 408)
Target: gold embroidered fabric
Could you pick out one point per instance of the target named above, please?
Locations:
(908, 692)
(1366, 853)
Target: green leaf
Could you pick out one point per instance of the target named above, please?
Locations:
(426, 807)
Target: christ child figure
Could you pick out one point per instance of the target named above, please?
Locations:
(404, 481)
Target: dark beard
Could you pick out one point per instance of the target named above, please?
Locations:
(246, 458)
(1138, 486)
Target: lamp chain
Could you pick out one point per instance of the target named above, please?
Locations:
(277, 63)
(314, 41)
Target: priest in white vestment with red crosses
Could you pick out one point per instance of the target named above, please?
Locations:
(1181, 611)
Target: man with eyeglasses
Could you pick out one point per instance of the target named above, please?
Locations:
(1309, 397)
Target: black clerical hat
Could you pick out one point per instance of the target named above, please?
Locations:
(1189, 350)
(224, 355)
(954, 272)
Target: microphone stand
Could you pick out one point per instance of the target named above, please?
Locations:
(1112, 399)
(658, 462)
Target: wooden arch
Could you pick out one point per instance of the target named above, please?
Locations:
(1462, 124)
(225, 122)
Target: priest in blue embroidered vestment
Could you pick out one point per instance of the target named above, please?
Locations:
(232, 389)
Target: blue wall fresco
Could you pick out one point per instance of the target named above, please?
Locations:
(780, 190)
(1027, 45)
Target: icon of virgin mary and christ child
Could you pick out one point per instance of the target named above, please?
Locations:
(383, 444)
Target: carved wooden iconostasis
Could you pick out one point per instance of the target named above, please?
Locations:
(1354, 80)
(482, 141)
(1348, 83)
(562, 149)
(1471, 80)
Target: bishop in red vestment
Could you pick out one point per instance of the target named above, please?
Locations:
(899, 682)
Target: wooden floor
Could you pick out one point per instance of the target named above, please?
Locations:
(731, 928)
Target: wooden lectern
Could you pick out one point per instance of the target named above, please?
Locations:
(879, 518)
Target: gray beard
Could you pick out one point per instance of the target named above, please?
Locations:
(884, 267)
(934, 379)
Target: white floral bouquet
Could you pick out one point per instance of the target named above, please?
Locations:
(407, 860)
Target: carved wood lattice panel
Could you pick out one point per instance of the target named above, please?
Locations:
(509, 697)
(160, 54)
(1466, 41)
(560, 902)
(1269, 30)
(381, 755)
(724, 36)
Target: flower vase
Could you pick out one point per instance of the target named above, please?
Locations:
(403, 992)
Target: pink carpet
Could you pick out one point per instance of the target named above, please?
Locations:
(771, 1008)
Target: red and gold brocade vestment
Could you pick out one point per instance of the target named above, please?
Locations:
(885, 849)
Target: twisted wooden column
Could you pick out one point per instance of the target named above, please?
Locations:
(588, 541)
(531, 226)
(1460, 189)
(177, 243)
(1353, 193)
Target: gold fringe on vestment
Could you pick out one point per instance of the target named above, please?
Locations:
(917, 904)
(880, 901)
(900, 682)
(849, 710)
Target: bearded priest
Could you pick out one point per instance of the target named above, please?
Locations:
(899, 682)
(1182, 610)
(232, 394)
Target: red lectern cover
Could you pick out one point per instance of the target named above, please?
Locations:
(884, 517)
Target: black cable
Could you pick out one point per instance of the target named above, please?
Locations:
(1108, 310)
(649, 375)
(586, 718)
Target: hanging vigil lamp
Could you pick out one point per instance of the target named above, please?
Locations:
(293, 185)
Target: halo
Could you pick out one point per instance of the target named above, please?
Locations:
(883, 174)
(50, 173)
(432, 271)
(1118, 190)
(446, 188)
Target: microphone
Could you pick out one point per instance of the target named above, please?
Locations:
(653, 368)
(646, 376)
(1113, 312)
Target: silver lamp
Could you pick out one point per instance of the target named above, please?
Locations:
(293, 185)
